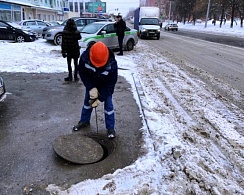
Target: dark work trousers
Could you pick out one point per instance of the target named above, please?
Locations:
(69, 59)
(120, 40)
(108, 111)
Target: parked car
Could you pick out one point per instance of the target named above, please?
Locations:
(12, 32)
(198, 21)
(2, 89)
(105, 32)
(171, 26)
(54, 33)
(54, 23)
(33, 24)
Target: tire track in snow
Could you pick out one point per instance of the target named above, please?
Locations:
(209, 133)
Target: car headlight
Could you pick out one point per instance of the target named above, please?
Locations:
(158, 30)
(27, 32)
(144, 29)
(51, 30)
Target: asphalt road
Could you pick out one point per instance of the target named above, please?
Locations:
(41, 107)
(223, 62)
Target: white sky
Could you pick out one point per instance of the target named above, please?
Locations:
(171, 164)
(123, 5)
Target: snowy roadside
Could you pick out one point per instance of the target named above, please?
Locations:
(194, 143)
(236, 31)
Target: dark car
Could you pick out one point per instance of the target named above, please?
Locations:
(12, 32)
(2, 90)
(54, 33)
(172, 27)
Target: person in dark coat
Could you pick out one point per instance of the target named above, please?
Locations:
(70, 47)
(120, 27)
(98, 71)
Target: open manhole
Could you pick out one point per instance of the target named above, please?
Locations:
(83, 149)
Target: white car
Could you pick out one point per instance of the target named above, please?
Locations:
(105, 32)
(33, 24)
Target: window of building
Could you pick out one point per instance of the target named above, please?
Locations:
(52, 17)
(39, 16)
(44, 17)
(81, 7)
(48, 17)
(71, 6)
(76, 6)
(10, 12)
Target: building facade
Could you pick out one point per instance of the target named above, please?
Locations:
(47, 10)
(87, 8)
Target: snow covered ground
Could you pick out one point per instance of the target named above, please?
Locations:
(236, 31)
(193, 137)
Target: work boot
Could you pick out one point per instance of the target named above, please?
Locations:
(80, 125)
(111, 133)
(68, 79)
(76, 78)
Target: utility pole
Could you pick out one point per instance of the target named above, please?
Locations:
(206, 21)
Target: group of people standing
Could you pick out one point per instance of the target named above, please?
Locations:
(98, 70)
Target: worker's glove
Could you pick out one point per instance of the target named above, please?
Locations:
(93, 93)
(94, 103)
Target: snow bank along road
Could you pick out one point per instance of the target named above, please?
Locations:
(195, 138)
(205, 127)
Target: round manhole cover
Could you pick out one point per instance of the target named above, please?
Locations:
(78, 149)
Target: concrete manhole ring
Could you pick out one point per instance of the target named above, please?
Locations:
(78, 149)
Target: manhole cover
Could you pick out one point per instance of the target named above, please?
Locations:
(78, 149)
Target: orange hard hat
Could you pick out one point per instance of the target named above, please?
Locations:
(99, 54)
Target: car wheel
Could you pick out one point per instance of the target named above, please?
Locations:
(20, 39)
(130, 45)
(58, 39)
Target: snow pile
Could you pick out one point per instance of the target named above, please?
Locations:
(193, 138)
(193, 143)
(225, 29)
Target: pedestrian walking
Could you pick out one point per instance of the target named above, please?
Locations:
(98, 71)
(70, 47)
(120, 27)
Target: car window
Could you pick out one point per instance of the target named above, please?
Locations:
(149, 21)
(109, 28)
(3, 24)
(39, 23)
(31, 23)
(89, 21)
(91, 28)
(24, 23)
(80, 23)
